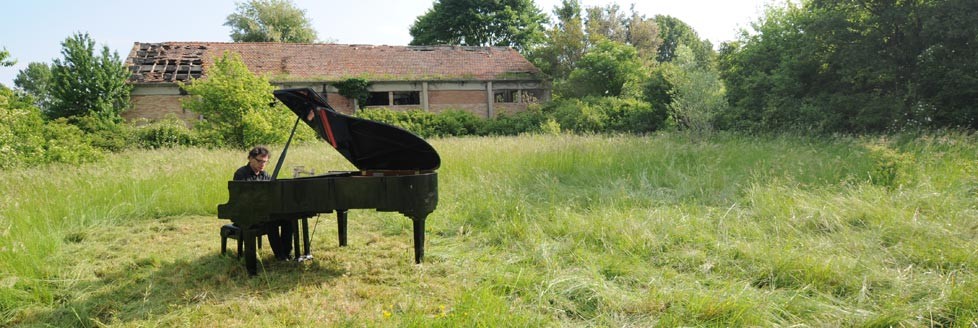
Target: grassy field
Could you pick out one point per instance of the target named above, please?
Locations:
(529, 231)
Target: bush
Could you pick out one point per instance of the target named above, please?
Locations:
(607, 114)
(427, 124)
(529, 121)
(169, 132)
(104, 133)
(26, 140)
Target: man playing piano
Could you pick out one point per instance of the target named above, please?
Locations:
(279, 232)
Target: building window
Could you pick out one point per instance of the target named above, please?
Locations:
(517, 96)
(407, 98)
(504, 96)
(378, 99)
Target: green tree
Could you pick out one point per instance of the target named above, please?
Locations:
(643, 34)
(674, 32)
(605, 71)
(270, 21)
(606, 23)
(4, 62)
(855, 67)
(565, 42)
(697, 93)
(35, 80)
(235, 105)
(611, 23)
(512, 23)
(86, 84)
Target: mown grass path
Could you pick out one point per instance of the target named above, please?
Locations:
(529, 231)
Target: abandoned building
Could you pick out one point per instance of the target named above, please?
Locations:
(485, 81)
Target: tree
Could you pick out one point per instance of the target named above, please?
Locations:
(864, 66)
(643, 34)
(606, 23)
(674, 32)
(605, 71)
(697, 93)
(511, 23)
(270, 21)
(35, 80)
(566, 42)
(86, 84)
(234, 103)
(4, 62)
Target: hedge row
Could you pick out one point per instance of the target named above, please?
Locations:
(588, 115)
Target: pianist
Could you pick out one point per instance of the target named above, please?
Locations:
(279, 232)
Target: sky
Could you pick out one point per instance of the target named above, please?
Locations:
(32, 30)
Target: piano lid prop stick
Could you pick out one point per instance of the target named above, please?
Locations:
(285, 150)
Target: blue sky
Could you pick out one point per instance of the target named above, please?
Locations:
(32, 30)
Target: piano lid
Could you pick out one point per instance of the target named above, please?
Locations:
(369, 145)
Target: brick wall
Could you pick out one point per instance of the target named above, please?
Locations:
(156, 107)
(447, 97)
(340, 103)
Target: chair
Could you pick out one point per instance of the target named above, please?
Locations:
(234, 232)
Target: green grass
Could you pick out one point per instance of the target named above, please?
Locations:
(529, 231)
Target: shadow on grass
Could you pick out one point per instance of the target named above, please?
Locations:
(147, 289)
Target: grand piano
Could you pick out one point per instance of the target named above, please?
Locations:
(396, 173)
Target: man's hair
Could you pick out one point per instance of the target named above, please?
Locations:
(257, 151)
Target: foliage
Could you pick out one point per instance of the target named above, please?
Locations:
(644, 35)
(606, 23)
(532, 120)
(606, 115)
(35, 80)
(565, 43)
(168, 132)
(605, 71)
(697, 93)
(235, 105)
(86, 84)
(510, 23)
(270, 21)
(354, 88)
(27, 140)
(4, 61)
(419, 122)
(609, 23)
(674, 33)
(106, 135)
(855, 67)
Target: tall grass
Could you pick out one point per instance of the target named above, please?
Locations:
(529, 231)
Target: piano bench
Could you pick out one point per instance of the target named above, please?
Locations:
(234, 232)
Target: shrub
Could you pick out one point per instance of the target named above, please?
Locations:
(27, 140)
(169, 132)
(528, 121)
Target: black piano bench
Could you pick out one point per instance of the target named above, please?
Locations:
(234, 232)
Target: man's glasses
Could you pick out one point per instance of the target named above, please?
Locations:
(260, 161)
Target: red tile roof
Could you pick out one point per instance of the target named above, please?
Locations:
(176, 61)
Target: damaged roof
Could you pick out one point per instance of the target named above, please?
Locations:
(169, 62)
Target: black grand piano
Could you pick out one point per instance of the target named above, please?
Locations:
(396, 174)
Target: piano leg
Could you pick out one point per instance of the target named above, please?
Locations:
(251, 260)
(305, 238)
(341, 225)
(295, 237)
(418, 238)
